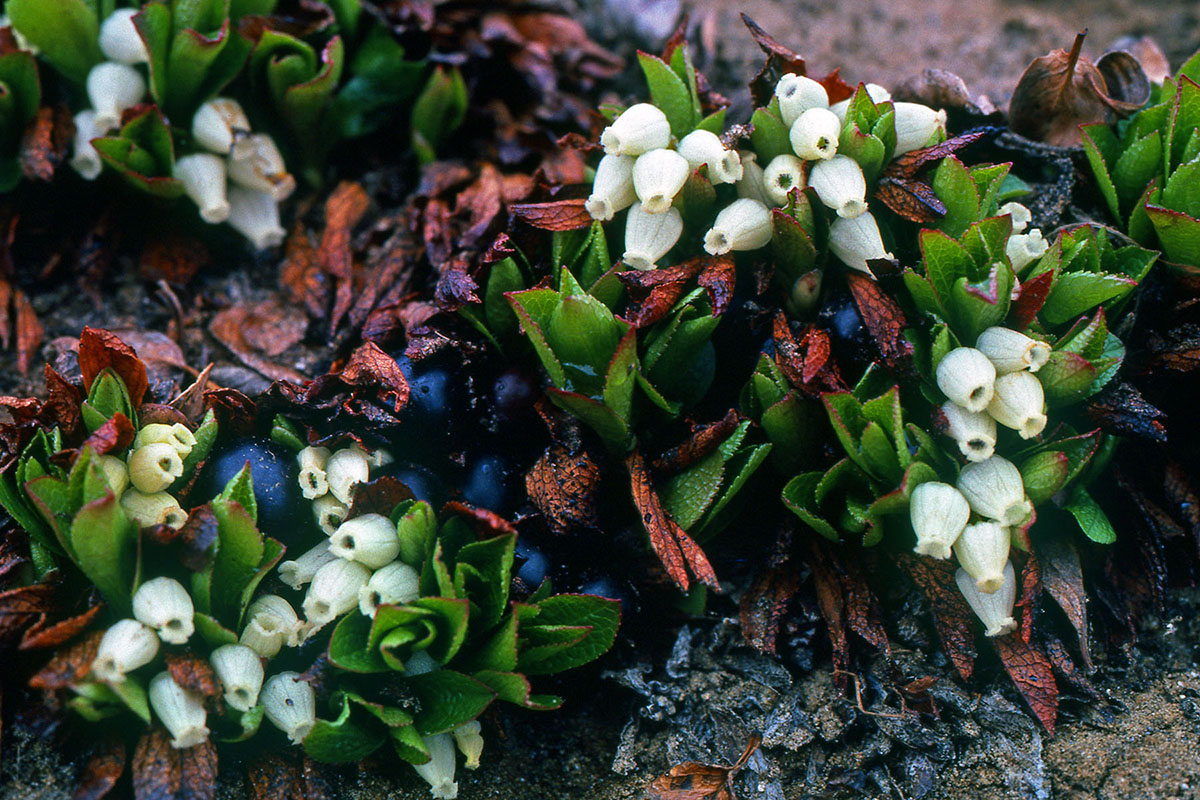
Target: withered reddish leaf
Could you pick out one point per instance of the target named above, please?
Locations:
(556, 215)
(1060, 91)
(103, 769)
(343, 210)
(235, 412)
(653, 292)
(198, 775)
(909, 164)
(70, 664)
(41, 636)
(1181, 492)
(455, 286)
(1031, 590)
(806, 364)
(702, 441)
(23, 606)
(481, 203)
(173, 257)
(274, 777)
(198, 535)
(1031, 296)
(62, 401)
(763, 605)
(1062, 577)
(1121, 410)
(379, 496)
(952, 617)
(45, 142)
(674, 548)
(29, 331)
(883, 317)
(577, 141)
(837, 88)
(719, 277)
(780, 60)
(831, 602)
(1064, 665)
(257, 333)
(193, 673)
(6, 293)
(563, 486)
(99, 350)
(914, 200)
(1179, 350)
(1033, 676)
(486, 522)
(114, 435)
(301, 273)
(692, 781)
(862, 609)
(369, 366)
(157, 412)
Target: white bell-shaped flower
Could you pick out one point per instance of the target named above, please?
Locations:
(164, 605)
(255, 215)
(260, 167)
(814, 135)
(704, 148)
(782, 175)
(839, 182)
(154, 467)
(856, 241)
(221, 126)
(982, 550)
(752, 185)
(178, 435)
(334, 591)
(203, 178)
(649, 237)
(116, 474)
(120, 40)
(290, 704)
(148, 510)
(974, 431)
(329, 512)
(995, 609)
(915, 125)
(313, 482)
(639, 129)
(995, 491)
(1018, 402)
(369, 539)
(967, 377)
(798, 94)
(180, 711)
(744, 224)
(657, 177)
(346, 469)
(240, 671)
(394, 584)
(1021, 216)
(1023, 249)
(1012, 351)
(86, 159)
(300, 571)
(125, 646)
(112, 88)
(470, 742)
(271, 622)
(938, 513)
(438, 772)
(612, 188)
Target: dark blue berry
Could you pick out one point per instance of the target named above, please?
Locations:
(273, 472)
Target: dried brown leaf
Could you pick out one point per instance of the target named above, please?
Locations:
(653, 292)
(301, 274)
(69, 665)
(160, 772)
(952, 617)
(41, 635)
(692, 781)
(914, 200)
(1031, 296)
(1062, 577)
(702, 440)
(556, 215)
(762, 607)
(256, 334)
(99, 350)
(22, 607)
(103, 769)
(675, 549)
(563, 485)
(46, 141)
(29, 331)
(173, 257)
(194, 674)
(198, 537)
(114, 435)
(884, 320)
(807, 364)
(1122, 411)
(1033, 676)
(380, 496)
(344, 209)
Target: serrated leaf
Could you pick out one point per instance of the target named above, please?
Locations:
(448, 699)
(598, 617)
(1076, 293)
(343, 740)
(770, 137)
(1091, 518)
(669, 93)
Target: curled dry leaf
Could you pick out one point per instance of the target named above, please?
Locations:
(563, 485)
(692, 781)
(103, 769)
(379, 496)
(1149, 55)
(556, 215)
(258, 333)
(160, 772)
(1121, 410)
(1060, 91)
(939, 88)
(763, 606)
(1030, 670)
(42, 635)
(807, 364)
(884, 319)
(702, 441)
(198, 537)
(100, 349)
(114, 435)
(173, 257)
(1062, 577)
(343, 210)
(29, 331)
(69, 665)
(954, 621)
(46, 142)
(22, 607)
(677, 551)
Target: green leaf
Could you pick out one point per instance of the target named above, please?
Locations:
(611, 428)
(513, 687)
(247, 724)
(1098, 140)
(409, 745)
(65, 31)
(212, 631)
(975, 307)
(1180, 193)
(133, 696)
(1091, 518)
(945, 260)
(669, 93)
(504, 277)
(349, 646)
(954, 187)
(1179, 234)
(239, 554)
(1136, 167)
(741, 466)
(416, 526)
(1044, 474)
(344, 740)
(1066, 377)
(492, 562)
(596, 618)
(240, 489)
(107, 398)
(1076, 293)
(191, 55)
(688, 494)
(103, 541)
(799, 495)
(438, 111)
(770, 136)
(447, 699)
(533, 308)
(22, 92)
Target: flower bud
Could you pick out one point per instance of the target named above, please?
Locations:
(299, 572)
(290, 704)
(1018, 402)
(784, 173)
(203, 178)
(148, 510)
(329, 513)
(178, 435)
(704, 148)
(469, 742)
(1021, 216)
(744, 224)
(649, 237)
(86, 160)
(241, 674)
(313, 483)
(1025, 248)
(798, 94)
(839, 183)
(982, 550)
(394, 584)
(938, 513)
(856, 241)
(334, 591)
(120, 40)
(915, 124)
(657, 178)
(995, 491)
(116, 474)
(260, 167)
(1012, 351)
(346, 469)
(270, 623)
(806, 293)
(255, 215)
(640, 129)
(814, 135)
(995, 609)
(125, 646)
(752, 185)
(612, 188)
(438, 772)
(181, 711)
(975, 431)
(966, 377)
(220, 125)
(112, 88)
(370, 540)
(154, 467)
(164, 605)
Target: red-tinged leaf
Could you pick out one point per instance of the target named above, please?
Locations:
(1033, 676)
(6, 293)
(1062, 577)
(884, 319)
(41, 636)
(577, 141)
(832, 603)
(306, 283)
(198, 537)
(952, 617)
(1031, 296)
(1065, 667)
(863, 615)
(807, 364)
(487, 523)
(194, 674)
(22, 607)
(1031, 592)
(63, 399)
(160, 772)
(909, 164)
(369, 366)
(702, 440)
(199, 772)
(455, 286)
(46, 142)
(380, 496)
(764, 604)
(173, 257)
(780, 60)
(693, 781)
(563, 485)
(913, 200)
(837, 89)
(99, 350)
(556, 215)
(103, 769)
(70, 664)
(343, 210)
(114, 435)
(29, 331)
(1122, 411)
(719, 277)
(257, 334)
(653, 292)
(674, 548)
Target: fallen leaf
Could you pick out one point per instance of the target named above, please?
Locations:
(257, 333)
(1062, 577)
(29, 331)
(556, 215)
(939, 88)
(1033, 676)
(160, 772)
(1031, 590)
(344, 209)
(63, 399)
(69, 665)
(674, 548)
(884, 320)
(276, 776)
(198, 537)
(371, 367)
(563, 485)
(761, 609)
(380, 496)
(1065, 667)
(1181, 492)
(1062, 90)
(807, 364)
(953, 619)
(780, 60)
(173, 257)
(719, 276)
(653, 292)
(41, 636)
(46, 142)
(455, 286)
(22, 607)
(301, 273)
(692, 781)
(103, 769)
(863, 615)
(113, 436)
(914, 200)
(909, 164)
(99, 350)
(1122, 411)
